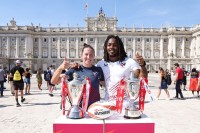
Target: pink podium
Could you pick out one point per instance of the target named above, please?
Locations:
(114, 124)
(85, 125)
(118, 124)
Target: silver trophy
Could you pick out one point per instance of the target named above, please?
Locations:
(132, 91)
(75, 92)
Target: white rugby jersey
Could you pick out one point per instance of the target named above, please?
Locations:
(114, 72)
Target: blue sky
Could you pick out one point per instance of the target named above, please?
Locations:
(130, 12)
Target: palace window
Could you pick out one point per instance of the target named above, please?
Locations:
(54, 39)
(147, 40)
(44, 53)
(178, 39)
(36, 39)
(138, 39)
(91, 39)
(54, 53)
(156, 40)
(72, 53)
(72, 39)
(63, 53)
(63, 39)
(129, 39)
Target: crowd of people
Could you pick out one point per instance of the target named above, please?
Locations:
(108, 72)
(180, 81)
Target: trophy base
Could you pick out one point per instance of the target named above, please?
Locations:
(75, 112)
(132, 114)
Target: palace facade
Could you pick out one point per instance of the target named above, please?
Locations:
(39, 47)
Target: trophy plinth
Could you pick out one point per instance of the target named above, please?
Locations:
(132, 113)
(75, 112)
(75, 92)
(132, 91)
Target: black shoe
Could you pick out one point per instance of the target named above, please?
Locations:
(176, 97)
(51, 94)
(18, 105)
(182, 98)
(23, 100)
(2, 95)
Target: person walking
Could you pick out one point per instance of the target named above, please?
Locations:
(10, 81)
(47, 77)
(163, 83)
(17, 72)
(194, 82)
(39, 78)
(185, 74)
(2, 77)
(51, 86)
(28, 76)
(178, 81)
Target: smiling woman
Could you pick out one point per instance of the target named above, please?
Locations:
(87, 69)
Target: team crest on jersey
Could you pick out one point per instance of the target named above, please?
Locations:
(122, 64)
(95, 73)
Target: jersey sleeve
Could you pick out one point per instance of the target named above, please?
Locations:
(69, 74)
(101, 74)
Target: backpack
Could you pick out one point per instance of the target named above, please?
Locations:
(17, 76)
(48, 76)
(168, 79)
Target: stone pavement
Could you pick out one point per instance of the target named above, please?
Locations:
(40, 110)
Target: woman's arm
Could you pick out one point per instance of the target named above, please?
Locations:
(56, 78)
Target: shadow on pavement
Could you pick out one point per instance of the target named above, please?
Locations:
(33, 104)
(3, 106)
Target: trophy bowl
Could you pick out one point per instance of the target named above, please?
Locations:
(132, 91)
(75, 92)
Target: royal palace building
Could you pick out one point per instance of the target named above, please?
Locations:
(39, 47)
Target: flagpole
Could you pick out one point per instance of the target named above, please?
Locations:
(115, 9)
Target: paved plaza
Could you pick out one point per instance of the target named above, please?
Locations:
(40, 110)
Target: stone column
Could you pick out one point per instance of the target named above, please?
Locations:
(49, 47)
(58, 48)
(197, 46)
(170, 44)
(40, 47)
(134, 47)
(67, 47)
(17, 47)
(152, 48)
(77, 51)
(192, 52)
(183, 48)
(8, 47)
(143, 49)
(174, 46)
(161, 48)
(26, 47)
(125, 44)
(86, 39)
(95, 46)
(1, 54)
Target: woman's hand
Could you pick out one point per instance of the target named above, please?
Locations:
(64, 65)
